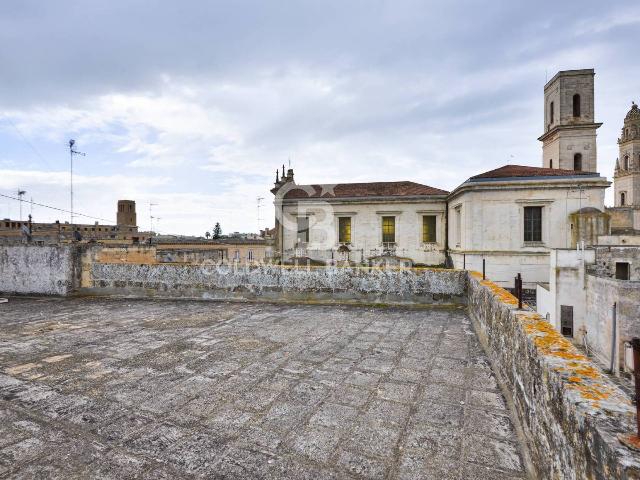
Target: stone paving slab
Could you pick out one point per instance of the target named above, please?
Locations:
(172, 389)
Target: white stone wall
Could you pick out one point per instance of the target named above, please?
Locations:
(601, 294)
(41, 270)
(629, 183)
(492, 226)
(566, 287)
(563, 145)
(366, 228)
(502, 268)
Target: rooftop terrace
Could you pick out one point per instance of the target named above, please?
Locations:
(173, 389)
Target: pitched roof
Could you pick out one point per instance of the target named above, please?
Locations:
(369, 189)
(514, 171)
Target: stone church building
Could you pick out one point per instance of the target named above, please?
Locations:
(510, 217)
(625, 215)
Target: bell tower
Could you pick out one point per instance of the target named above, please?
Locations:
(126, 214)
(626, 178)
(569, 139)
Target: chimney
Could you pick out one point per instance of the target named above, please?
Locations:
(282, 180)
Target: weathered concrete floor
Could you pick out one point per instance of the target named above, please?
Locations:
(121, 389)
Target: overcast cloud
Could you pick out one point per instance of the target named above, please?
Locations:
(193, 105)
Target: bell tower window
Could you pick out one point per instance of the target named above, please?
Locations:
(625, 162)
(551, 113)
(622, 199)
(577, 161)
(576, 105)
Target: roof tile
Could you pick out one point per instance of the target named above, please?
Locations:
(370, 189)
(509, 171)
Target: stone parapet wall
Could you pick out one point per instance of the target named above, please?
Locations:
(570, 412)
(39, 270)
(268, 282)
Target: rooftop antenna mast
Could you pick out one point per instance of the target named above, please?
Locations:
(259, 199)
(20, 195)
(72, 152)
(151, 205)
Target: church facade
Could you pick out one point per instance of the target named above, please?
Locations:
(508, 219)
(625, 215)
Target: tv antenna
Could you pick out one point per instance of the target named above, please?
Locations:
(151, 217)
(259, 201)
(20, 195)
(72, 152)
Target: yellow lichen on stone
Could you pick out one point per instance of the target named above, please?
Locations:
(591, 392)
(586, 370)
(578, 372)
(503, 295)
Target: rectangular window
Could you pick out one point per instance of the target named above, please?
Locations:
(551, 113)
(250, 255)
(458, 226)
(566, 320)
(344, 229)
(303, 229)
(429, 229)
(388, 229)
(622, 271)
(532, 224)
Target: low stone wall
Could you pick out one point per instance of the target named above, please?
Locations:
(268, 282)
(41, 270)
(570, 412)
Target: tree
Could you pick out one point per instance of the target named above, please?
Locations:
(207, 235)
(217, 231)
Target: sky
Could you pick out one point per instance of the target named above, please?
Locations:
(192, 106)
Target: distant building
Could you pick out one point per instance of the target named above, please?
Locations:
(223, 251)
(507, 219)
(187, 250)
(512, 217)
(362, 223)
(125, 230)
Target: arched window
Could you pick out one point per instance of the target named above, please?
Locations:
(576, 105)
(577, 161)
(625, 162)
(622, 199)
(551, 163)
(551, 113)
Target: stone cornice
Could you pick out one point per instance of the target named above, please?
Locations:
(558, 128)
